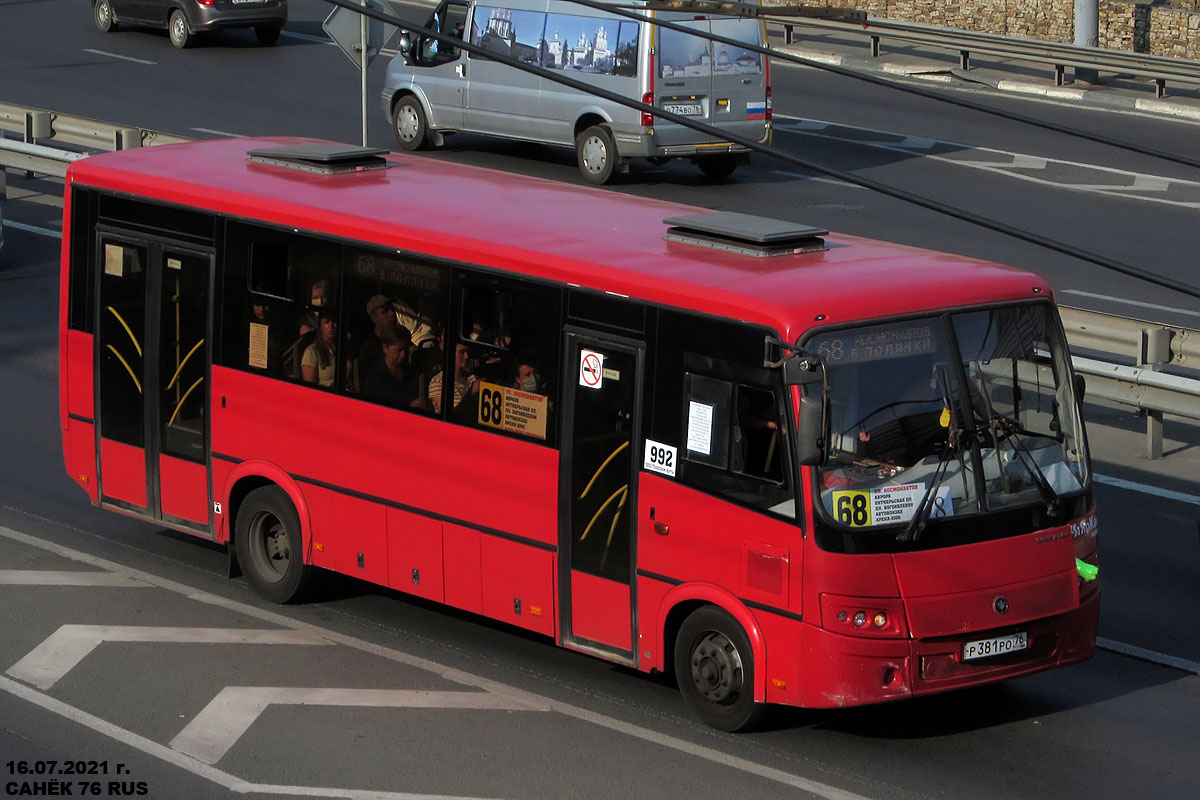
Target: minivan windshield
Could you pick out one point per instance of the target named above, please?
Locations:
(948, 415)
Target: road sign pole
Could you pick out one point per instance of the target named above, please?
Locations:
(362, 57)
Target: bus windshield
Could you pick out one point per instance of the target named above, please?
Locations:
(948, 415)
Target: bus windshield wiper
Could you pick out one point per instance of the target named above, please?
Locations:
(1008, 429)
(924, 509)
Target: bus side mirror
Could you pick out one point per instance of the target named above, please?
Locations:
(808, 372)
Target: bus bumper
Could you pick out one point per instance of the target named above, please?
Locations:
(851, 671)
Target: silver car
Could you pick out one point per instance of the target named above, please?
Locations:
(183, 19)
(433, 89)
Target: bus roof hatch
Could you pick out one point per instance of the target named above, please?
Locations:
(322, 158)
(745, 233)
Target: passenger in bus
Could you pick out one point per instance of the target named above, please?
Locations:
(384, 327)
(319, 362)
(392, 380)
(319, 293)
(465, 384)
(526, 376)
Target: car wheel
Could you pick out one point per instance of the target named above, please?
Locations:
(408, 123)
(177, 29)
(597, 154)
(103, 14)
(714, 665)
(267, 34)
(269, 546)
(718, 167)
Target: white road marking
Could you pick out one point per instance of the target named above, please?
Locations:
(1166, 494)
(117, 55)
(1124, 184)
(218, 133)
(1112, 299)
(495, 687)
(817, 178)
(198, 768)
(1152, 656)
(20, 226)
(52, 577)
(230, 714)
(65, 648)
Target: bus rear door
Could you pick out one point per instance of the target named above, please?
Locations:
(599, 485)
(152, 378)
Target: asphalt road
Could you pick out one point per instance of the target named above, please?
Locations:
(543, 722)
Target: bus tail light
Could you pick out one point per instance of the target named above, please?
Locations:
(876, 617)
(648, 119)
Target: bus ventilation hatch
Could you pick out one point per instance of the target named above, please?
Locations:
(745, 233)
(321, 158)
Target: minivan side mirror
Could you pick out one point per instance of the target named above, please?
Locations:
(1080, 388)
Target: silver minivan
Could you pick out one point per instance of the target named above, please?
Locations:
(433, 89)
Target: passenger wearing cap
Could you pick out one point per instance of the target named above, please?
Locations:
(383, 322)
(392, 380)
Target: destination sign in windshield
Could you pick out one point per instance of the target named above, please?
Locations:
(877, 343)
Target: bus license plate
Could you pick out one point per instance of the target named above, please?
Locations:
(686, 109)
(984, 648)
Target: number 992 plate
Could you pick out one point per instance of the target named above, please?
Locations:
(997, 646)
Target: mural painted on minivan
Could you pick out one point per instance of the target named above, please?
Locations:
(558, 41)
(682, 54)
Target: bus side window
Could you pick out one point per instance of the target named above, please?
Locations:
(506, 358)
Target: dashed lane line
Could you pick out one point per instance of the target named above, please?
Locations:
(119, 56)
(230, 714)
(65, 648)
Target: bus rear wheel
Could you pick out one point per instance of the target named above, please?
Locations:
(714, 665)
(269, 545)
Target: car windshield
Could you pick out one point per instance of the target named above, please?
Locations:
(960, 413)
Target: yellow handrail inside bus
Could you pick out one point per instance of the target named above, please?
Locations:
(125, 325)
(183, 399)
(600, 469)
(128, 369)
(616, 516)
(183, 363)
(600, 511)
(770, 451)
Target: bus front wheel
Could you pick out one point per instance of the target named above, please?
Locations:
(269, 546)
(714, 665)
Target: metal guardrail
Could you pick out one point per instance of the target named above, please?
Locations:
(1150, 346)
(1158, 68)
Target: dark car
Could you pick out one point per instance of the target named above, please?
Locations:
(183, 19)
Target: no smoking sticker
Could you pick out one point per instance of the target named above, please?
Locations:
(591, 369)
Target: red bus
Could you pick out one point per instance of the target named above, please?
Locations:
(792, 467)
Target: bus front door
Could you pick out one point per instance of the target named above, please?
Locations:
(152, 379)
(599, 485)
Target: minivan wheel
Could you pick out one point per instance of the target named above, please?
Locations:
(408, 123)
(267, 34)
(596, 154)
(177, 29)
(103, 14)
(718, 167)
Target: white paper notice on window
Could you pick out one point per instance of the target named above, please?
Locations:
(699, 430)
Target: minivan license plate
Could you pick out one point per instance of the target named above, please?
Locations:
(686, 109)
(984, 648)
